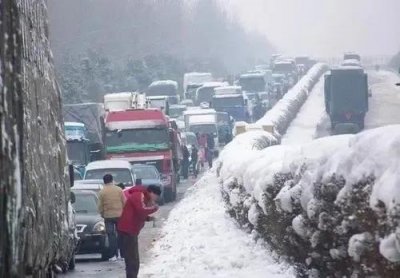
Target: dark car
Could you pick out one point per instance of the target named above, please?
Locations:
(149, 176)
(90, 225)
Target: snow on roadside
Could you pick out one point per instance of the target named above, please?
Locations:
(385, 101)
(201, 240)
(304, 127)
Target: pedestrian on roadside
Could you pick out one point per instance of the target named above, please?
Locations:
(140, 204)
(210, 149)
(194, 156)
(185, 161)
(110, 205)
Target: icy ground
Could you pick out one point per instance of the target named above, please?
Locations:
(201, 240)
(312, 114)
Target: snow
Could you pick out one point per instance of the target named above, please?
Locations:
(165, 83)
(285, 110)
(358, 244)
(389, 248)
(303, 128)
(201, 240)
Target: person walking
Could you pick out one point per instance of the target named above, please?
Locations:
(110, 205)
(140, 204)
(194, 158)
(210, 149)
(185, 161)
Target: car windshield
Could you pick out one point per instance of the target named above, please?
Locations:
(234, 101)
(144, 172)
(252, 84)
(76, 152)
(120, 175)
(85, 203)
(136, 140)
(204, 128)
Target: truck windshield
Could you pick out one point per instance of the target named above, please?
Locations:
(120, 175)
(137, 140)
(204, 128)
(161, 90)
(252, 84)
(76, 152)
(235, 101)
(205, 94)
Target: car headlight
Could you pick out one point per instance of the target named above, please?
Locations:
(99, 227)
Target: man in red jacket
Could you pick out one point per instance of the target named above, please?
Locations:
(140, 204)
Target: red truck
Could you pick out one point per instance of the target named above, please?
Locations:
(145, 136)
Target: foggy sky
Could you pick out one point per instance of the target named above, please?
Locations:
(324, 27)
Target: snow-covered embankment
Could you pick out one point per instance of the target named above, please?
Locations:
(331, 207)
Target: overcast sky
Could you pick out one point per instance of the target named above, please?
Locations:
(325, 27)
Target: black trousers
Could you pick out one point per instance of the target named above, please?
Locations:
(130, 253)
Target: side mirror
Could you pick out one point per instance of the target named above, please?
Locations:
(71, 172)
(72, 197)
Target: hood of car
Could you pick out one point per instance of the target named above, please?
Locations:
(87, 219)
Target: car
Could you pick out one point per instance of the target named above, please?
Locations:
(92, 185)
(149, 176)
(90, 225)
(121, 170)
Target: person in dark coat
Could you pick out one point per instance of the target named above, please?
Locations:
(210, 149)
(194, 158)
(185, 161)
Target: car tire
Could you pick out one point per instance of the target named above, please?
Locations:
(72, 263)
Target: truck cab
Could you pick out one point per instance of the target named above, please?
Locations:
(194, 80)
(78, 147)
(143, 136)
(232, 100)
(165, 88)
(346, 97)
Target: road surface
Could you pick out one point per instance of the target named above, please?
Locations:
(91, 266)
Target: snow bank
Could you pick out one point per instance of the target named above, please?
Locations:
(201, 240)
(332, 206)
(286, 109)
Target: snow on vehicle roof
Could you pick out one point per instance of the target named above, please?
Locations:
(157, 97)
(118, 95)
(73, 124)
(164, 82)
(190, 74)
(351, 62)
(228, 90)
(202, 119)
(199, 111)
(108, 164)
(213, 84)
(252, 75)
(228, 95)
(182, 106)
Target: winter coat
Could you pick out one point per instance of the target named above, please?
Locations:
(136, 210)
(111, 201)
(210, 142)
(185, 153)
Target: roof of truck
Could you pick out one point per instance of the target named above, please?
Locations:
(164, 83)
(108, 164)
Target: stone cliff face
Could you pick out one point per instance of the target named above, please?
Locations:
(33, 190)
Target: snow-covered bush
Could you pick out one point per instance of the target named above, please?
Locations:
(331, 207)
(283, 112)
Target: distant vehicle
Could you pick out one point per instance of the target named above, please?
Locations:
(190, 139)
(187, 102)
(78, 145)
(264, 67)
(304, 60)
(145, 136)
(351, 62)
(206, 91)
(253, 82)
(346, 97)
(288, 68)
(194, 80)
(233, 101)
(120, 169)
(90, 225)
(124, 101)
(352, 56)
(176, 111)
(92, 185)
(225, 127)
(159, 102)
(149, 176)
(168, 88)
(92, 116)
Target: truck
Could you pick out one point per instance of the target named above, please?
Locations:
(192, 81)
(78, 145)
(123, 101)
(232, 100)
(346, 97)
(206, 91)
(145, 136)
(164, 88)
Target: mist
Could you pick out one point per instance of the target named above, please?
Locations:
(322, 28)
